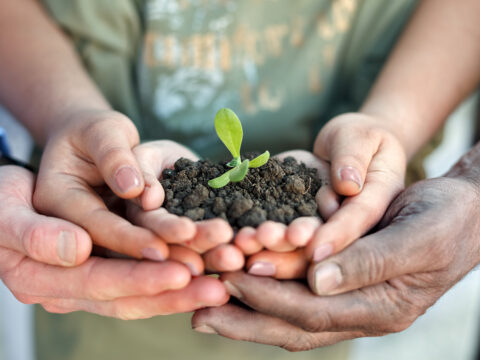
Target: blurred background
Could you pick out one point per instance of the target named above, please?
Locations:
(449, 329)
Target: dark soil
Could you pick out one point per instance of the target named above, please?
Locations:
(279, 190)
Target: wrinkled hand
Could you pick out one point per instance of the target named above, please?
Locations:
(46, 261)
(378, 285)
(89, 150)
(209, 237)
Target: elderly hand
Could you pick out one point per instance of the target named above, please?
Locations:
(378, 285)
(46, 260)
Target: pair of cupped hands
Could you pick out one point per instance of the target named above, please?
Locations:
(104, 244)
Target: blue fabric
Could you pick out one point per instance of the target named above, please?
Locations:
(4, 149)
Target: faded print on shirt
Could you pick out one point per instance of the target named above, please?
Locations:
(271, 61)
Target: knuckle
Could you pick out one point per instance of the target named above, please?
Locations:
(105, 122)
(25, 299)
(127, 312)
(316, 322)
(370, 263)
(53, 309)
(32, 239)
(301, 342)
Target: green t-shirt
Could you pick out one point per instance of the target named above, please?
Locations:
(285, 67)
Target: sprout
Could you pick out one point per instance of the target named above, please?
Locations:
(229, 130)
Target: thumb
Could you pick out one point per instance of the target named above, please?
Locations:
(109, 143)
(45, 239)
(349, 153)
(389, 253)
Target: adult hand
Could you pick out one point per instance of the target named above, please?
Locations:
(378, 285)
(46, 260)
(209, 237)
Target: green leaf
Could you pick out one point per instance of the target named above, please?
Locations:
(234, 163)
(229, 130)
(260, 160)
(220, 181)
(239, 172)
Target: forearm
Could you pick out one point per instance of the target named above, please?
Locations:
(42, 80)
(432, 69)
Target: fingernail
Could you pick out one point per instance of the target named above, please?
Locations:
(127, 178)
(349, 173)
(262, 268)
(322, 252)
(232, 289)
(152, 254)
(205, 329)
(67, 247)
(327, 278)
(192, 268)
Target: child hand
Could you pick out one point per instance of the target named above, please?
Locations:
(89, 150)
(209, 237)
(367, 166)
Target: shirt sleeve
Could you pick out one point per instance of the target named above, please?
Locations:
(4, 148)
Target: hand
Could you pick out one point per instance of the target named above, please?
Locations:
(378, 285)
(91, 149)
(272, 247)
(367, 166)
(209, 237)
(46, 260)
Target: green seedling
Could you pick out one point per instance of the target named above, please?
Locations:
(229, 130)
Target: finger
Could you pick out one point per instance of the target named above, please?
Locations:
(237, 323)
(201, 292)
(109, 143)
(381, 256)
(373, 311)
(74, 201)
(188, 257)
(357, 215)
(328, 201)
(272, 235)
(153, 193)
(171, 228)
(349, 150)
(246, 241)
(224, 258)
(210, 233)
(48, 240)
(301, 230)
(289, 265)
(96, 279)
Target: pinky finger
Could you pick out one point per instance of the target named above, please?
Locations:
(246, 241)
(224, 258)
(328, 201)
(188, 257)
(291, 265)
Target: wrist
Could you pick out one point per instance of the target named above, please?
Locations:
(402, 122)
(468, 167)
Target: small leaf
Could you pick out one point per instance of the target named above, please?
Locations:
(220, 181)
(229, 130)
(260, 160)
(234, 163)
(239, 172)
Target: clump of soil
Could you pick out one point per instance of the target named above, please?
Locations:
(279, 190)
